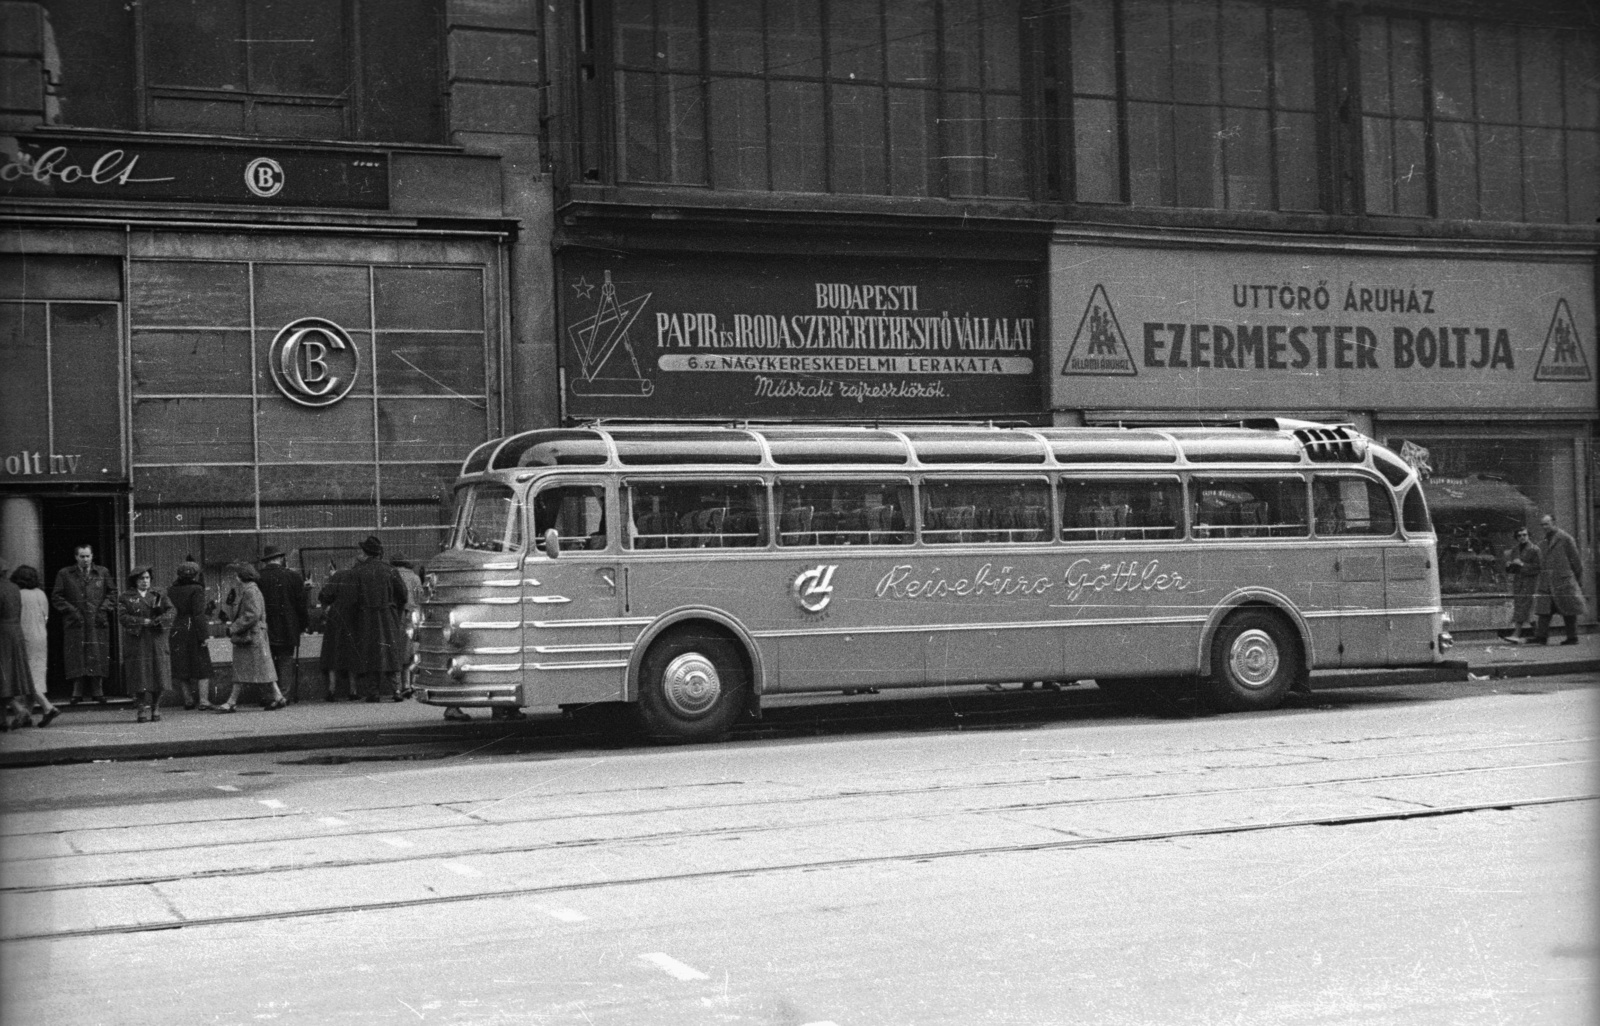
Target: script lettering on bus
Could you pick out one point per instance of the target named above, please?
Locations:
(903, 582)
(1084, 576)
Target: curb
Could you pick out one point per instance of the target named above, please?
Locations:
(486, 730)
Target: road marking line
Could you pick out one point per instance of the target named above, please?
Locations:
(667, 964)
(330, 821)
(460, 869)
(397, 842)
(224, 787)
(272, 803)
(566, 915)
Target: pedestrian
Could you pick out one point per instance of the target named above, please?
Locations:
(146, 615)
(411, 618)
(87, 598)
(36, 637)
(1560, 582)
(16, 676)
(190, 653)
(338, 604)
(284, 592)
(377, 641)
(247, 631)
(1522, 563)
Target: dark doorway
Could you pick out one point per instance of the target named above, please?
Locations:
(70, 521)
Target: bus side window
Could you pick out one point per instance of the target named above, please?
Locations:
(1249, 507)
(577, 513)
(843, 512)
(1114, 509)
(695, 514)
(985, 512)
(1351, 506)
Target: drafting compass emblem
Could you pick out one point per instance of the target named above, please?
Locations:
(605, 350)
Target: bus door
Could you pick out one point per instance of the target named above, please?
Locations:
(1409, 576)
(1358, 514)
(572, 603)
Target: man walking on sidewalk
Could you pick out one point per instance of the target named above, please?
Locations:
(377, 639)
(284, 592)
(1560, 582)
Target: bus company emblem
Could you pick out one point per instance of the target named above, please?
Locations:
(813, 589)
(264, 177)
(314, 362)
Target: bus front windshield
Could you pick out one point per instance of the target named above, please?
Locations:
(488, 519)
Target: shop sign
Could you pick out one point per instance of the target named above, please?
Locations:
(127, 170)
(37, 463)
(1148, 328)
(768, 337)
(314, 362)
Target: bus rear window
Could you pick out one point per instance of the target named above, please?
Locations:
(1114, 509)
(1351, 506)
(1414, 511)
(696, 514)
(960, 512)
(1248, 507)
(488, 519)
(844, 512)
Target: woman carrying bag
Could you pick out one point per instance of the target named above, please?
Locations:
(252, 659)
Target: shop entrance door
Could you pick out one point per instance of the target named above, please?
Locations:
(67, 522)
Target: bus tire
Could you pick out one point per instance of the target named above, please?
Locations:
(692, 687)
(1255, 661)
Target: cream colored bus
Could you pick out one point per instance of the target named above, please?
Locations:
(690, 571)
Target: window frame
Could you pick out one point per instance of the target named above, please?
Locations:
(1174, 477)
(908, 531)
(1028, 476)
(1191, 496)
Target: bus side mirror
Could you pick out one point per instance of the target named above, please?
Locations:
(552, 543)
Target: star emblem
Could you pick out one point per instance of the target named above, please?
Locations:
(582, 287)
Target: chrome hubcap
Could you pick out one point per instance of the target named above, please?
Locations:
(1254, 659)
(691, 685)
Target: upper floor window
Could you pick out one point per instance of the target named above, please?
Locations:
(1193, 103)
(1479, 121)
(875, 97)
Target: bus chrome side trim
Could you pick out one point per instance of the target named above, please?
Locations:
(608, 664)
(496, 650)
(495, 584)
(491, 667)
(1323, 614)
(491, 625)
(1123, 621)
(559, 649)
(606, 622)
(548, 600)
(509, 600)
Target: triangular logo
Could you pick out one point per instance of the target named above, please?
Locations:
(1562, 358)
(1099, 348)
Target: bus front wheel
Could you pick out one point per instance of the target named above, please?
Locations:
(691, 687)
(1255, 660)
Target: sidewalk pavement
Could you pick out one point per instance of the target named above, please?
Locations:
(89, 733)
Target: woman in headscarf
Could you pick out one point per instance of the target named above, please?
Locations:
(35, 637)
(16, 677)
(191, 657)
(252, 659)
(146, 615)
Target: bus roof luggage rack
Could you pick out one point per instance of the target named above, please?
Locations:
(1330, 444)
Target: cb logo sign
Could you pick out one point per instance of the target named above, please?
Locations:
(813, 589)
(313, 361)
(264, 177)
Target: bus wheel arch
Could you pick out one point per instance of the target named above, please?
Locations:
(694, 679)
(1257, 654)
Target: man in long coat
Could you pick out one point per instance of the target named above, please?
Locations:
(87, 599)
(1560, 582)
(378, 642)
(284, 592)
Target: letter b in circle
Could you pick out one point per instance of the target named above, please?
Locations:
(314, 362)
(264, 177)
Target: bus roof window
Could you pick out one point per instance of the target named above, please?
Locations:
(1391, 466)
(564, 449)
(941, 447)
(1242, 449)
(676, 448)
(1110, 445)
(861, 447)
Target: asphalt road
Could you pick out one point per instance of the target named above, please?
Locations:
(1420, 856)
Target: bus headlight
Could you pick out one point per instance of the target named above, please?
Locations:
(1446, 621)
(458, 668)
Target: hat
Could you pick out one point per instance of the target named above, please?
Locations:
(244, 571)
(188, 571)
(371, 545)
(272, 552)
(138, 571)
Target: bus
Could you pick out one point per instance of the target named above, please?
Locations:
(689, 571)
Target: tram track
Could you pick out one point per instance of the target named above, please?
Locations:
(740, 828)
(1079, 843)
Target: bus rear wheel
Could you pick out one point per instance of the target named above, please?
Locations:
(1255, 661)
(692, 685)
